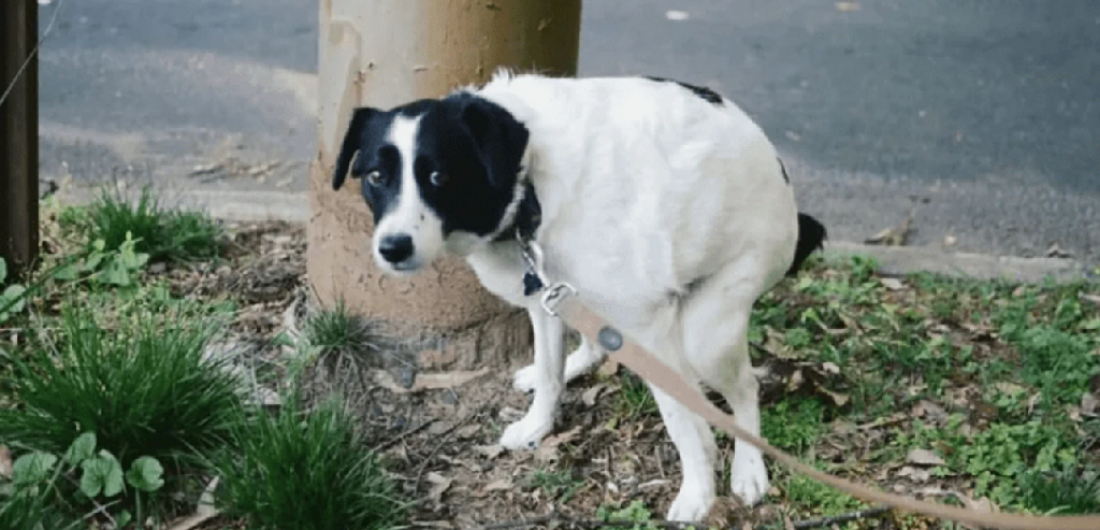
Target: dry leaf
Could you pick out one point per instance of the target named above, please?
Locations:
(488, 451)
(895, 236)
(892, 284)
(468, 431)
(1056, 252)
(609, 367)
(204, 510)
(1089, 297)
(5, 462)
(915, 474)
(548, 448)
(847, 6)
(446, 525)
(982, 505)
(830, 368)
(837, 398)
(440, 485)
(924, 457)
(498, 485)
(788, 524)
(1090, 405)
(589, 397)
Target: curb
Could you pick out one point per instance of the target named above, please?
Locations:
(255, 206)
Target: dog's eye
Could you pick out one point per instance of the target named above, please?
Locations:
(437, 178)
(374, 178)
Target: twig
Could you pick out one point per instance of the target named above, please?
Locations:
(842, 518)
(389, 443)
(444, 437)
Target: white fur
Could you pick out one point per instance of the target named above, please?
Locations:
(646, 188)
(670, 216)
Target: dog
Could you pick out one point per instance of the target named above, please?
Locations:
(663, 203)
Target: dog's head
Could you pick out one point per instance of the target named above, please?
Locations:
(439, 175)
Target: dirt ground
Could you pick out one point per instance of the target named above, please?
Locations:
(438, 431)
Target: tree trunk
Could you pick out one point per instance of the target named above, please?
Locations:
(383, 53)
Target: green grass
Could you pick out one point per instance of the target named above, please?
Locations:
(559, 485)
(164, 234)
(1022, 356)
(299, 470)
(31, 511)
(793, 424)
(633, 399)
(338, 329)
(133, 373)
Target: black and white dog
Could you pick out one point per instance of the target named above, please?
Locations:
(662, 203)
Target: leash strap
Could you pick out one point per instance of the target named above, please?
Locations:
(560, 300)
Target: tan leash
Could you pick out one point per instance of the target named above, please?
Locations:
(561, 300)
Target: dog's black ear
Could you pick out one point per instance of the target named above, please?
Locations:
(501, 139)
(350, 145)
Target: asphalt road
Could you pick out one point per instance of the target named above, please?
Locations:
(979, 118)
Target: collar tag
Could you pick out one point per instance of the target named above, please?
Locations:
(532, 283)
(532, 275)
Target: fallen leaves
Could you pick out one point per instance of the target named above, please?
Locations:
(548, 448)
(980, 505)
(589, 397)
(439, 486)
(924, 457)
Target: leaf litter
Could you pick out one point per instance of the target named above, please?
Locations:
(872, 419)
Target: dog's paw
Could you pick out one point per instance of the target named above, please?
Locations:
(525, 378)
(690, 506)
(749, 478)
(525, 434)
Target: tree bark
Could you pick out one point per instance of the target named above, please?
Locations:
(383, 53)
(19, 134)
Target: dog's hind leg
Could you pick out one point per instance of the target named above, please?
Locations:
(583, 359)
(690, 433)
(716, 321)
(694, 442)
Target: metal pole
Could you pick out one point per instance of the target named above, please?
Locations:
(19, 134)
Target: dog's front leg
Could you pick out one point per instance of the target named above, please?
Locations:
(549, 371)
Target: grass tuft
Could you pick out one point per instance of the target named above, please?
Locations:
(1063, 493)
(338, 329)
(139, 382)
(165, 235)
(29, 510)
(305, 471)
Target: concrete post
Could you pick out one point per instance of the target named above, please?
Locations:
(386, 52)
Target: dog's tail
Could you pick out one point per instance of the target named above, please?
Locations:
(811, 237)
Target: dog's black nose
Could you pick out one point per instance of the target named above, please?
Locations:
(396, 249)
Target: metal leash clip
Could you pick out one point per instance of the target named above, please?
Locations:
(555, 295)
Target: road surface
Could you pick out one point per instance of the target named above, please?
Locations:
(978, 118)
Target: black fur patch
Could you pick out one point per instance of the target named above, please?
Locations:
(475, 143)
(705, 93)
(811, 237)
